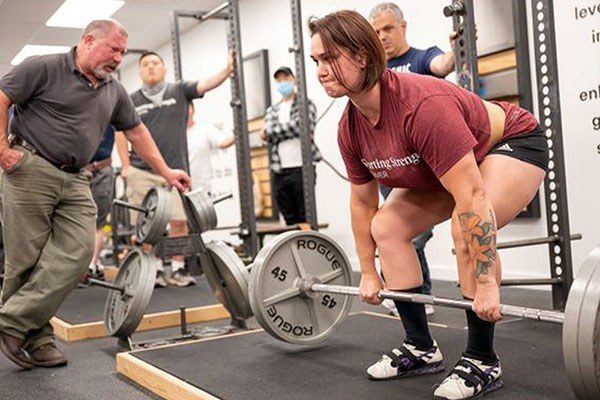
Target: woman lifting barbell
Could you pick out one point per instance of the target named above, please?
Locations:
(447, 154)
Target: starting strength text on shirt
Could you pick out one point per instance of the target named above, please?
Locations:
(380, 167)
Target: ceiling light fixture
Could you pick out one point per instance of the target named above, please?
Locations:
(79, 13)
(37, 50)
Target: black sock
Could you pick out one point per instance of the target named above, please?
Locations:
(414, 320)
(480, 344)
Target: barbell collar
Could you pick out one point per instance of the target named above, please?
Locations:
(506, 310)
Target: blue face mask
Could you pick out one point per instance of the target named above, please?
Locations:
(285, 88)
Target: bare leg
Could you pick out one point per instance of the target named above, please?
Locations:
(178, 228)
(97, 246)
(406, 214)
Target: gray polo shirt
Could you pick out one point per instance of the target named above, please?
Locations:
(60, 113)
(167, 123)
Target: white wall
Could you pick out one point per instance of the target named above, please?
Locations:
(579, 71)
(495, 30)
(267, 24)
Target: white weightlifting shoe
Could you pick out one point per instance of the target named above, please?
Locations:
(181, 278)
(406, 361)
(470, 379)
(390, 306)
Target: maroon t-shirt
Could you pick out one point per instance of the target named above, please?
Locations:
(426, 126)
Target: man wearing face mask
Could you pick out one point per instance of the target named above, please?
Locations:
(282, 133)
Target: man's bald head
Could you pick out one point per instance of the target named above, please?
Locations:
(103, 27)
(101, 47)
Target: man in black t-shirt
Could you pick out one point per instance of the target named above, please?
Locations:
(163, 107)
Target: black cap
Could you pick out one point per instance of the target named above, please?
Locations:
(283, 70)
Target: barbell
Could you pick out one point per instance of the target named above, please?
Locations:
(154, 213)
(132, 289)
(534, 241)
(300, 292)
(130, 293)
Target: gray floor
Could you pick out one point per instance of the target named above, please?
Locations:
(85, 305)
(229, 368)
(91, 373)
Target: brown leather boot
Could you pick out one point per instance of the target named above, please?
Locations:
(48, 355)
(11, 347)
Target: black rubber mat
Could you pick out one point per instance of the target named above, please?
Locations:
(256, 366)
(87, 304)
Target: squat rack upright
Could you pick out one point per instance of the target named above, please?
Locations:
(555, 189)
(229, 11)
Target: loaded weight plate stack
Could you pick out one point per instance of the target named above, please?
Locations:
(124, 310)
(581, 330)
(202, 208)
(288, 262)
(229, 279)
(151, 225)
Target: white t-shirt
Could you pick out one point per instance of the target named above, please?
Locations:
(290, 151)
(203, 139)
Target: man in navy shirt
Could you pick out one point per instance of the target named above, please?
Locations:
(388, 21)
(102, 187)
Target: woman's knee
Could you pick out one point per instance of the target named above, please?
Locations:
(385, 228)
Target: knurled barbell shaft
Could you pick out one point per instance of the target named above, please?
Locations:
(532, 242)
(106, 285)
(131, 206)
(506, 310)
(218, 199)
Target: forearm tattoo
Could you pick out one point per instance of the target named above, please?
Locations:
(480, 236)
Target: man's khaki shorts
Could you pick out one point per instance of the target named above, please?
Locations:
(139, 182)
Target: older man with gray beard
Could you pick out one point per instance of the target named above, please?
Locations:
(63, 105)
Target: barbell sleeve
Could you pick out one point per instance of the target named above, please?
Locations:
(506, 310)
(106, 285)
(131, 206)
(220, 198)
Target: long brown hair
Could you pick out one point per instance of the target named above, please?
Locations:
(350, 30)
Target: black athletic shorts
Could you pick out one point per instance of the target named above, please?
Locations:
(531, 147)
